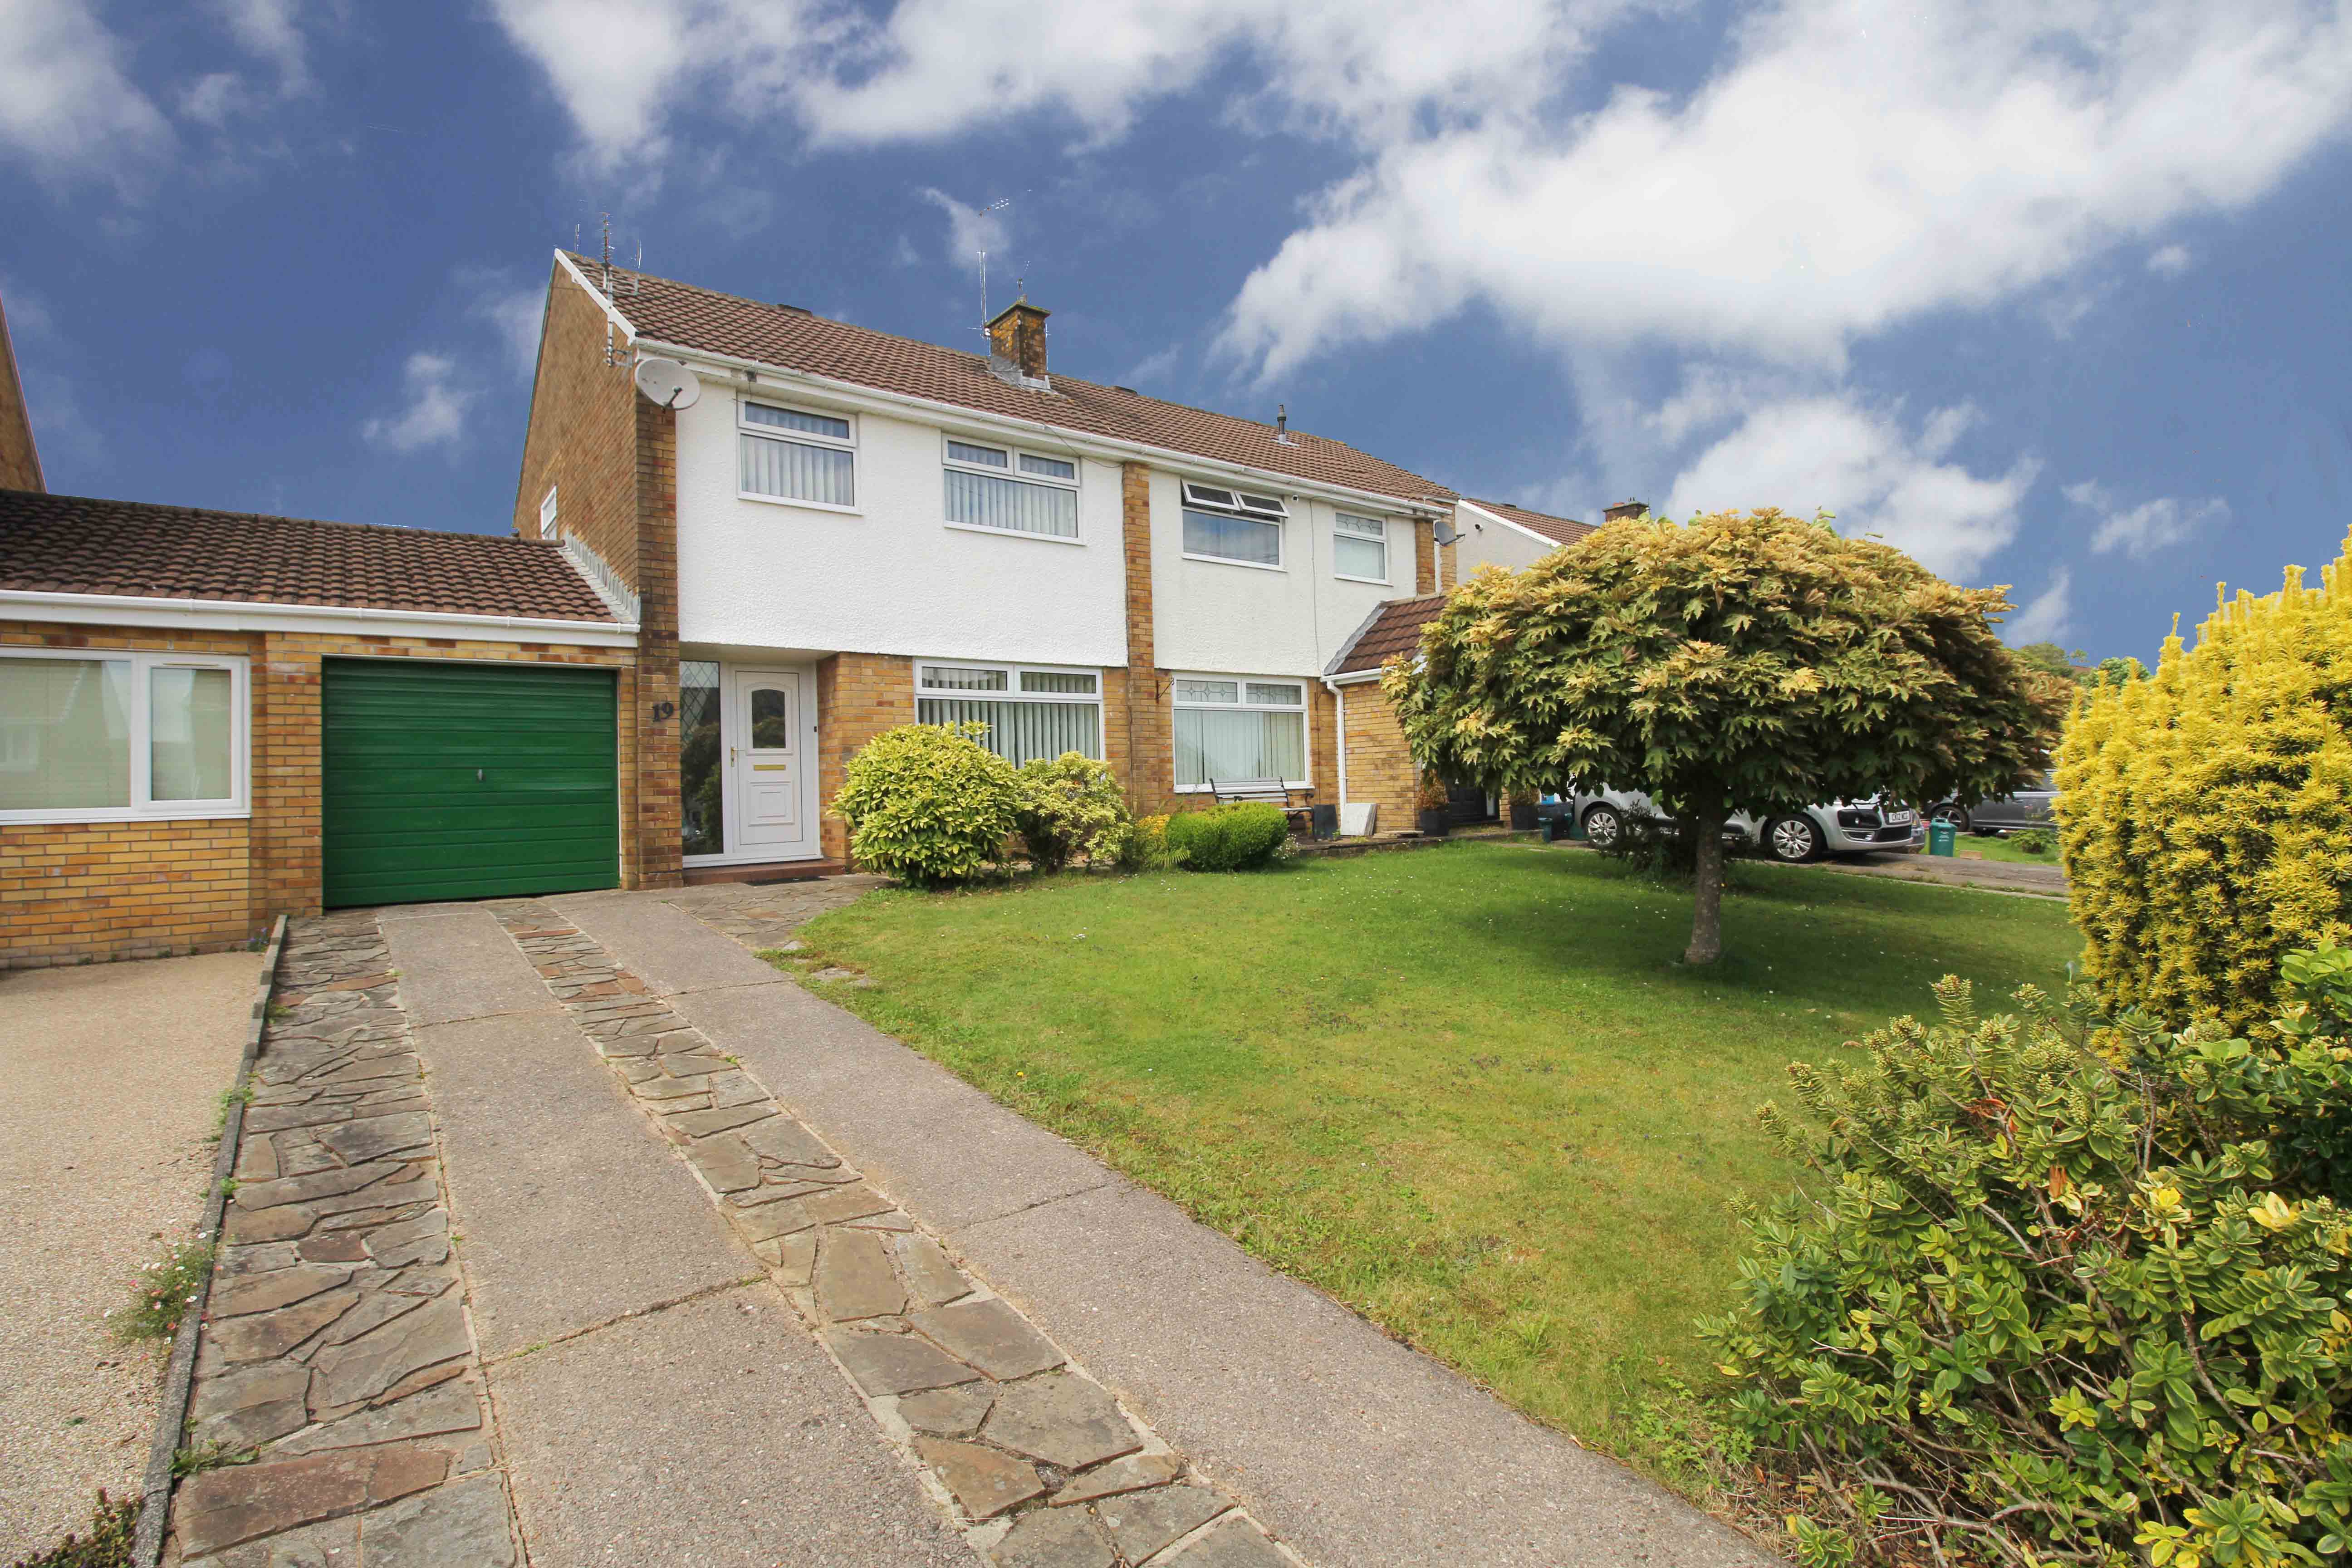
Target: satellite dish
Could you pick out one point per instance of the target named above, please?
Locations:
(667, 382)
(1446, 534)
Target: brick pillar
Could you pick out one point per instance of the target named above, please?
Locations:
(287, 864)
(659, 863)
(1150, 737)
(858, 696)
(1424, 557)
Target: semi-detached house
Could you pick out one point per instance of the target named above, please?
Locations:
(843, 531)
(706, 604)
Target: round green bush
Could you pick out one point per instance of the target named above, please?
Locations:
(1071, 806)
(2067, 1288)
(1242, 837)
(929, 804)
(2206, 814)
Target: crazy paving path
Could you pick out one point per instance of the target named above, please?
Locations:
(1036, 1462)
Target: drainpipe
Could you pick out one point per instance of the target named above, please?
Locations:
(1340, 734)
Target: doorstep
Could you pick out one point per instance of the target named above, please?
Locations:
(771, 871)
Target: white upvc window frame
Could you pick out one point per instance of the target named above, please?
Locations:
(1304, 708)
(1250, 506)
(1012, 691)
(1388, 554)
(1013, 473)
(143, 807)
(745, 426)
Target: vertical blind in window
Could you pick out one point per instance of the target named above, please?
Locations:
(1359, 547)
(1232, 730)
(1232, 538)
(1040, 713)
(984, 500)
(794, 472)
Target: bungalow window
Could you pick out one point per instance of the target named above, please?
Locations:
(792, 454)
(1359, 548)
(1230, 727)
(1008, 490)
(111, 736)
(1236, 526)
(1030, 712)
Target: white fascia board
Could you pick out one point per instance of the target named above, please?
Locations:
(612, 312)
(1545, 540)
(1359, 677)
(873, 400)
(237, 616)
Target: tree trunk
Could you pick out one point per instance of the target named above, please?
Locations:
(1707, 911)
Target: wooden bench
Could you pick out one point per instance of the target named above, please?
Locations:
(1268, 792)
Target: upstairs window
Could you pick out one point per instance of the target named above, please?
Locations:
(1011, 490)
(1359, 548)
(1030, 713)
(1222, 524)
(547, 515)
(793, 454)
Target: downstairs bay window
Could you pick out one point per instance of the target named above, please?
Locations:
(1230, 727)
(101, 736)
(1030, 712)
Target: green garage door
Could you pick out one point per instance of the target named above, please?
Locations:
(466, 780)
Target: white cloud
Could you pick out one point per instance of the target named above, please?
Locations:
(2171, 261)
(2048, 617)
(212, 99)
(1832, 451)
(1152, 367)
(2149, 527)
(65, 99)
(435, 413)
(1853, 166)
(513, 314)
(971, 231)
(266, 29)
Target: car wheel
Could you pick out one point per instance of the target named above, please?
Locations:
(1603, 827)
(1793, 839)
(1956, 816)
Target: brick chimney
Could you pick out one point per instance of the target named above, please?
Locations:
(1624, 508)
(1017, 334)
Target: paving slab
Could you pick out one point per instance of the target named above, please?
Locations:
(114, 1074)
(570, 1209)
(455, 962)
(663, 945)
(755, 1452)
(915, 1126)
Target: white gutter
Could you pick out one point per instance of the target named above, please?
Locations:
(876, 400)
(239, 615)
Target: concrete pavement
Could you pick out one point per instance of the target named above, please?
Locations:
(114, 1074)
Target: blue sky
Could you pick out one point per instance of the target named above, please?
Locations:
(2058, 303)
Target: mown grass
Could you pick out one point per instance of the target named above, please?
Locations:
(1469, 1090)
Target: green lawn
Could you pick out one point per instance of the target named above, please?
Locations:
(1469, 1090)
(2004, 850)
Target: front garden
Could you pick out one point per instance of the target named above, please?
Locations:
(1468, 1091)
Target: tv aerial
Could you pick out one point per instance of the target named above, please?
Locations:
(667, 382)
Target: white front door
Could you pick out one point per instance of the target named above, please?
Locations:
(770, 749)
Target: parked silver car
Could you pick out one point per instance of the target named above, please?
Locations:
(1840, 828)
(2011, 813)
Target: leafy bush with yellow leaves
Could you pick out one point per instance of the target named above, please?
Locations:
(2206, 814)
(929, 804)
(2069, 1288)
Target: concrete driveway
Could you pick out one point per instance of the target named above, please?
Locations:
(114, 1075)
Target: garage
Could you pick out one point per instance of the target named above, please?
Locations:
(465, 781)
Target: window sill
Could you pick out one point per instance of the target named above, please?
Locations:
(1228, 561)
(121, 813)
(803, 505)
(1297, 786)
(1012, 533)
(1375, 581)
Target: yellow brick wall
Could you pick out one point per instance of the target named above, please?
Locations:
(72, 892)
(582, 433)
(858, 696)
(1380, 768)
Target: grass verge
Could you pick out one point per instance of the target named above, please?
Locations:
(1469, 1090)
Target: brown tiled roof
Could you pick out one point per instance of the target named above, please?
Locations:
(689, 317)
(75, 544)
(1564, 530)
(1392, 632)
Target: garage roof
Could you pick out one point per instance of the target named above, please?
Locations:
(1392, 632)
(81, 544)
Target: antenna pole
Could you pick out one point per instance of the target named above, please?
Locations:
(983, 290)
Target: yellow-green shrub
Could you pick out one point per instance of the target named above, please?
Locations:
(929, 804)
(2206, 814)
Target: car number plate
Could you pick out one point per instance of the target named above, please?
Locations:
(1895, 817)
